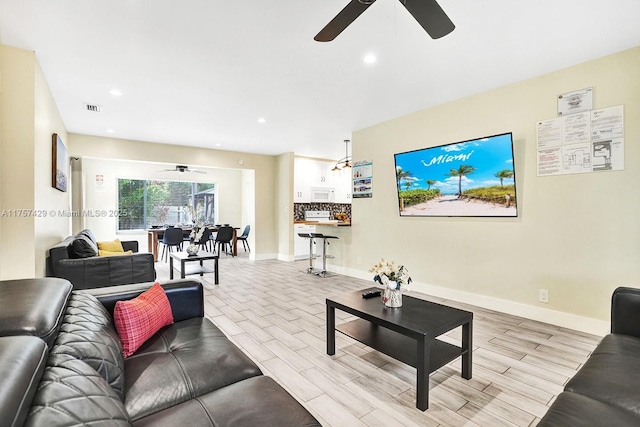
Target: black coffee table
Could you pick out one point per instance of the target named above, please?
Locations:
(407, 334)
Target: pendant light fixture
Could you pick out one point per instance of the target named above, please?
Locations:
(344, 162)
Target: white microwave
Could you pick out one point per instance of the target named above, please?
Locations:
(322, 194)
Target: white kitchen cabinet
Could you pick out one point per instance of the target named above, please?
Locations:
(343, 186)
(324, 175)
(301, 194)
(309, 173)
(303, 172)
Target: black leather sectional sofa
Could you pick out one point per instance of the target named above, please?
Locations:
(61, 364)
(75, 259)
(606, 390)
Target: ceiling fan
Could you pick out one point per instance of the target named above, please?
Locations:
(428, 13)
(182, 169)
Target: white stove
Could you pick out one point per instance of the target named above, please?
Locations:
(320, 216)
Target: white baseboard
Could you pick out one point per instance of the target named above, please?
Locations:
(263, 257)
(558, 318)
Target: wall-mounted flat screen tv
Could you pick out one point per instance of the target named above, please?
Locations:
(474, 178)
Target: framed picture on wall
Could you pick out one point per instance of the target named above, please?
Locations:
(60, 164)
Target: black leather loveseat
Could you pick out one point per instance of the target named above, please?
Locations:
(61, 364)
(76, 259)
(606, 390)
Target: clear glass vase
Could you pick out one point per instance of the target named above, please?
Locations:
(392, 297)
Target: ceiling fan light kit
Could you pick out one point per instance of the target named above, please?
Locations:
(183, 169)
(428, 13)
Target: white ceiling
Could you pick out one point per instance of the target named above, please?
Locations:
(201, 72)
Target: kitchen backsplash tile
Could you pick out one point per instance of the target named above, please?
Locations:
(334, 208)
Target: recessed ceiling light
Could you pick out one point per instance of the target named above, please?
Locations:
(370, 58)
(218, 144)
(110, 131)
(262, 120)
(115, 92)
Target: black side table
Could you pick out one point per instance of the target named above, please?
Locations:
(200, 269)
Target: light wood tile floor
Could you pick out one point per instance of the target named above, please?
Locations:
(275, 312)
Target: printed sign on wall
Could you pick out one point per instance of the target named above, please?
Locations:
(362, 176)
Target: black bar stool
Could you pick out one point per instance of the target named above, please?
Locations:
(325, 243)
(310, 237)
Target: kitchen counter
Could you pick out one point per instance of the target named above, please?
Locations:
(345, 223)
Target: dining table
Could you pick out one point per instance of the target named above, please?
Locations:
(153, 236)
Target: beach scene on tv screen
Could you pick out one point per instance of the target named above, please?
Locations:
(470, 178)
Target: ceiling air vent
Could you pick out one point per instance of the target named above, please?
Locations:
(93, 108)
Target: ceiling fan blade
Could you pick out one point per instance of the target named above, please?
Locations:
(342, 20)
(430, 15)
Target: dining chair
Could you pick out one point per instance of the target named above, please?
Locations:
(159, 241)
(205, 240)
(172, 238)
(223, 240)
(186, 235)
(243, 238)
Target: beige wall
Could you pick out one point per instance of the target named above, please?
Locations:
(285, 206)
(49, 229)
(576, 235)
(254, 181)
(28, 119)
(248, 206)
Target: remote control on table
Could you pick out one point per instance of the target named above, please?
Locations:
(371, 293)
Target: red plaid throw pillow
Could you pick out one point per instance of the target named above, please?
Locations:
(138, 319)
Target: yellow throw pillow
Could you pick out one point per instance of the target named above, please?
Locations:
(108, 253)
(114, 246)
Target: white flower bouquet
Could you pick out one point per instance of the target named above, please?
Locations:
(389, 274)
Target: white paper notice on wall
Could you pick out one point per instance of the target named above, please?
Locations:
(99, 183)
(589, 141)
(575, 102)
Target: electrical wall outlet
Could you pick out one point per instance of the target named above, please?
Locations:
(358, 260)
(543, 296)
